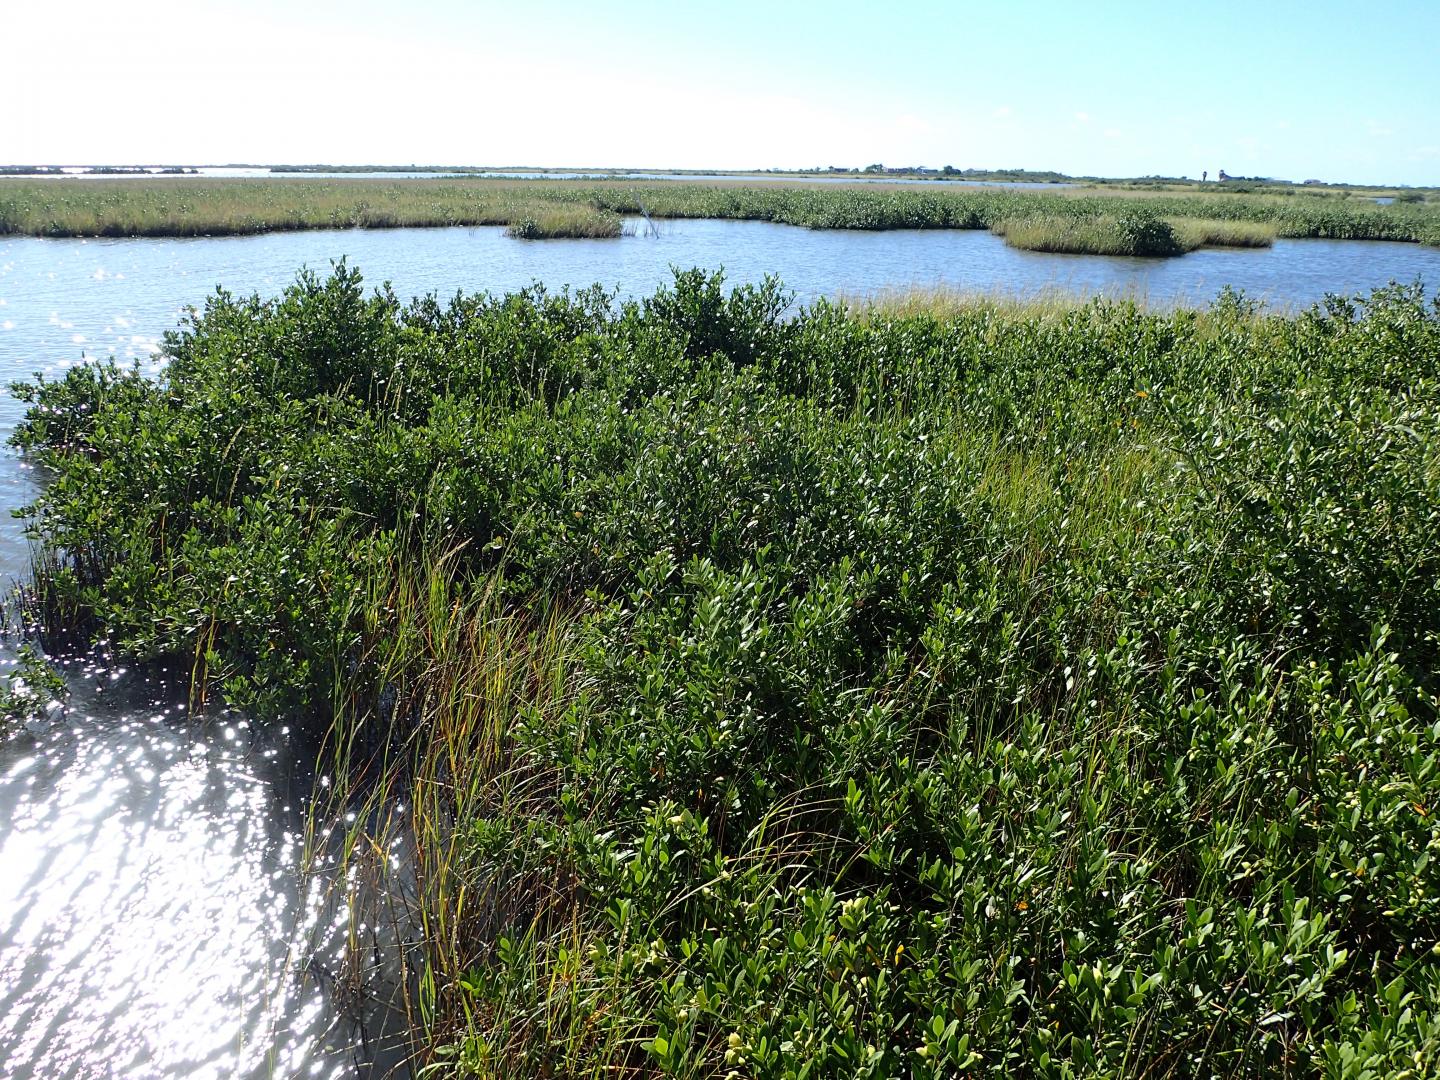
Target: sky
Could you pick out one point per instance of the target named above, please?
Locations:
(1334, 91)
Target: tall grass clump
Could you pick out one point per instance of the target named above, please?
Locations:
(565, 221)
(1101, 234)
(944, 303)
(1192, 233)
(941, 690)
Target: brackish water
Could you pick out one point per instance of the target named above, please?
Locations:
(154, 919)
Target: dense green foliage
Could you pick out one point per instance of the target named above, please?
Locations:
(164, 207)
(996, 693)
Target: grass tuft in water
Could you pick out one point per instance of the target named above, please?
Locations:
(1192, 233)
(565, 222)
(1101, 234)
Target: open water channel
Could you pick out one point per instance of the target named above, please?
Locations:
(155, 919)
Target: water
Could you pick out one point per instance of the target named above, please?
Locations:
(152, 913)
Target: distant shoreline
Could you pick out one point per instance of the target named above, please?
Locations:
(871, 174)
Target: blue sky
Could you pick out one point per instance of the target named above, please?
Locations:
(1329, 90)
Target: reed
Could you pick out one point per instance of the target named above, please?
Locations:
(946, 304)
(1103, 234)
(423, 751)
(1192, 233)
(551, 222)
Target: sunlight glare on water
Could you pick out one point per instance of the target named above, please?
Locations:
(151, 903)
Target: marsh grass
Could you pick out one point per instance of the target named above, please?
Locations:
(1053, 306)
(190, 207)
(945, 303)
(1056, 306)
(552, 222)
(1192, 233)
(1133, 234)
(423, 752)
(1101, 234)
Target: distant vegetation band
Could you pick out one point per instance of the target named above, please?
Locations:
(176, 207)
